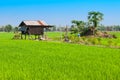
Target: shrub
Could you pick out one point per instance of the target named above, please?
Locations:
(114, 36)
(110, 43)
(94, 41)
(99, 40)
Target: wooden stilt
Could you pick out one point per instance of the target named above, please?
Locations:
(28, 36)
(35, 37)
(38, 37)
(25, 36)
(21, 36)
(45, 35)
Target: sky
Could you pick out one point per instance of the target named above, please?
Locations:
(57, 12)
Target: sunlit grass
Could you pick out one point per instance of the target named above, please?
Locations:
(44, 60)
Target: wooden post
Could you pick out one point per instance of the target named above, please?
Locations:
(21, 36)
(45, 35)
(29, 36)
(39, 37)
(35, 37)
(25, 36)
(66, 34)
(60, 32)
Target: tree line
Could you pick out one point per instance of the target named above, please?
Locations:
(109, 28)
(101, 28)
(93, 24)
(8, 28)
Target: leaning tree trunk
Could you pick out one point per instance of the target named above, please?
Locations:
(95, 26)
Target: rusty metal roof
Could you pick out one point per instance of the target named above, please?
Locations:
(35, 23)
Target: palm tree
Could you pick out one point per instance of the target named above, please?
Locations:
(94, 18)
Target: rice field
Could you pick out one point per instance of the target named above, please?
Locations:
(48, 60)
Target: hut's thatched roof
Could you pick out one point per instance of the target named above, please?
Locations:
(34, 23)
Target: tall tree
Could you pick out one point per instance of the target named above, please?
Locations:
(94, 19)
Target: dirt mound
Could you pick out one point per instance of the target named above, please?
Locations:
(91, 31)
(105, 34)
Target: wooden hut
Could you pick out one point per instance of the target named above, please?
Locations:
(33, 28)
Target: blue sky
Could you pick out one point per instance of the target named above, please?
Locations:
(57, 12)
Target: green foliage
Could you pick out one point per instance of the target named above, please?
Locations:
(94, 19)
(16, 29)
(74, 38)
(85, 31)
(74, 30)
(8, 28)
(94, 41)
(79, 26)
(99, 40)
(91, 40)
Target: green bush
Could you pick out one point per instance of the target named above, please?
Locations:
(110, 42)
(94, 41)
(99, 41)
(74, 38)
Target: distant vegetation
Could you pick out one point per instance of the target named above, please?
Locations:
(87, 28)
(8, 28)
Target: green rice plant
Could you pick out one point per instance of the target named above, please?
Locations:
(84, 38)
(99, 40)
(74, 38)
(110, 42)
(94, 41)
(49, 60)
